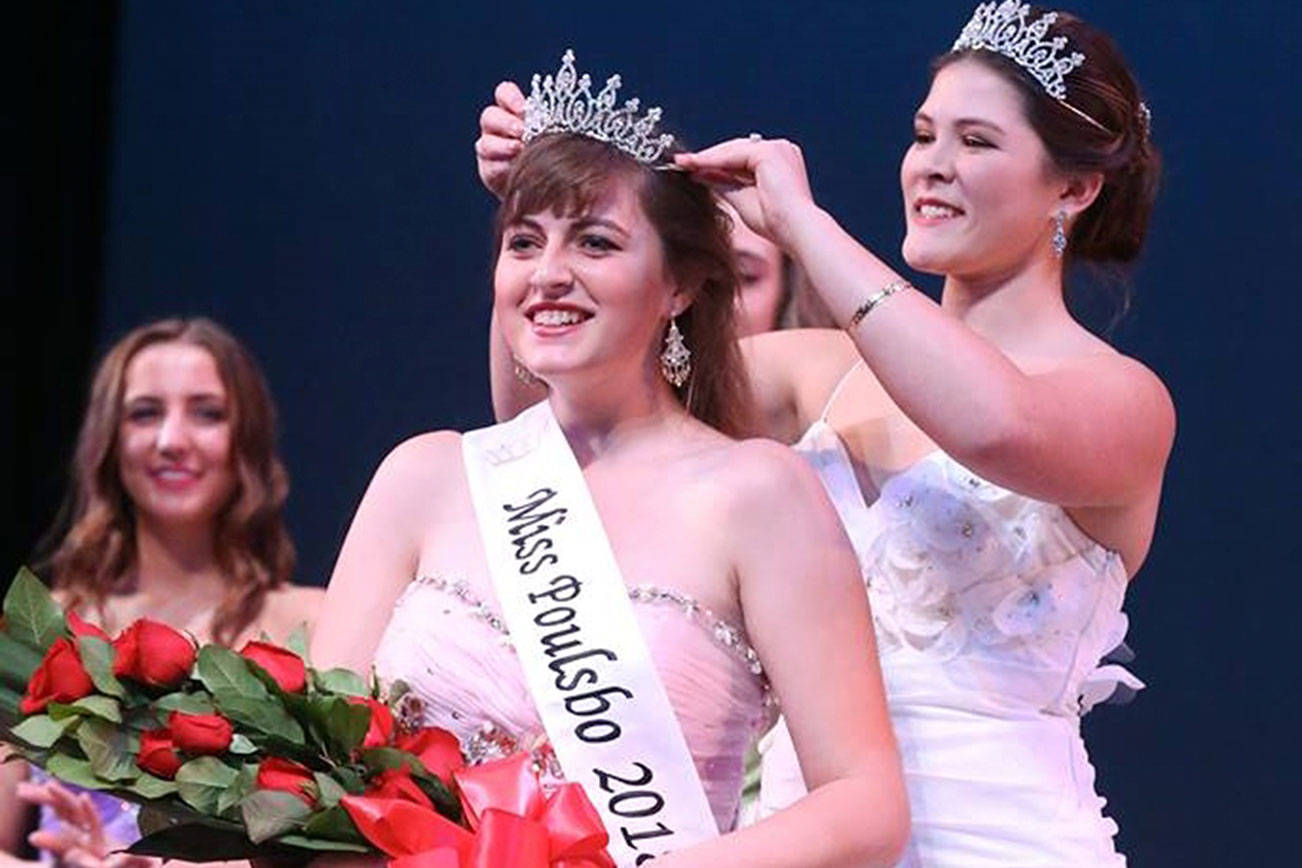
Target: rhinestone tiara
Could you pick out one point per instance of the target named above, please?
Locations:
(564, 103)
(1004, 29)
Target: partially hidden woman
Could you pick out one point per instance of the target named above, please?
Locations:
(997, 466)
(605, 581)
(174, 514)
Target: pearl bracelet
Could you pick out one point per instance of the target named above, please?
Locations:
(875, 299)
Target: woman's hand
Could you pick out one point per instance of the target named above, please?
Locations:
(764, 179)
(80, 840)
(500, 127)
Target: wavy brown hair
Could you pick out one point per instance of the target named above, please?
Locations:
(97, 554)
(568, 174)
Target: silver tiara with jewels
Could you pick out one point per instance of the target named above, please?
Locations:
(1003, 28)
(564, 103)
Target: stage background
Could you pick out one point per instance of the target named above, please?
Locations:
(304, 175)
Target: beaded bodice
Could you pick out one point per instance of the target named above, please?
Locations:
(448, 642)
(983, 599)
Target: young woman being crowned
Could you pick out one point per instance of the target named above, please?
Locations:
(613, 581)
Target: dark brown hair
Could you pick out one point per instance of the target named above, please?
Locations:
(1112, 229)
(253, 549)
(568, 174)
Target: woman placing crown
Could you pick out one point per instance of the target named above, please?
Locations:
(603, 580)
(998, 468)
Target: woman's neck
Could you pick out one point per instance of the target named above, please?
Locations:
(176, 561)
(1014, 312)
(600, 419)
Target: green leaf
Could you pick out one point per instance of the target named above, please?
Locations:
(334, 824)
(97, 657)
(265, 715)
(226, 673)
(445, 801)
(17, 662)
(379, 759)
(351, 779)
(42, 730)
(151, 787)
(201, 781)
(186, 703)
(201, 842)
(10, 707)
(297, 641)
(338, 724)
(307, 843)
(268, 813)
(102, 707)
(330, 791)
(31, 615)
(110, 749)
(75, 771)
(241, 746)
(343, 681)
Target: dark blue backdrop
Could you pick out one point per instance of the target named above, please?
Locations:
(305, 176)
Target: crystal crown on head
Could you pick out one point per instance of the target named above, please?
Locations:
(564, 104)
(1003, 28)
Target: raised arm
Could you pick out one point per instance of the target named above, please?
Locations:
(807, 616)
(1093, 432)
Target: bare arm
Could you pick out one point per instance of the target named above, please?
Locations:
(807, 615)
(381, 552)
(1095, 432)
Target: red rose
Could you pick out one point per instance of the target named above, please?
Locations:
(287, 776)
(285, 667)
(158, 754)
(200, 733)
(153, 654)
(380, 731)
(397, 784)
(80, 627)
(60, 678)
(437, 749)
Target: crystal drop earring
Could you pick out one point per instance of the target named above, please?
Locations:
(675, 358)
(1060, 233)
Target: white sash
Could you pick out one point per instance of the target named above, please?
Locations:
(567, 607)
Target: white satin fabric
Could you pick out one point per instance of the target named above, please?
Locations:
(992, 613)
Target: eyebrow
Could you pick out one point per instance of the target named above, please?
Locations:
(963, 122)
(585, 222)
(588, 222)
(151, 397)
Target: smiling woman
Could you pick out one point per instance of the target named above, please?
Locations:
(174, 514)
(603, 581)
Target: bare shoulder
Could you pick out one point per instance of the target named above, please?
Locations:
(426, 453)
(1131, 382)
(295, 603)
(759, 473)
(415, 467)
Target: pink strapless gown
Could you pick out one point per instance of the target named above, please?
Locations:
(447, 641)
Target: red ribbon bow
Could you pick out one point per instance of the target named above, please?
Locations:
(515, 824)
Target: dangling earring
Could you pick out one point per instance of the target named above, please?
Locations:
(1060, 233)
(523, 374)
(675, 358)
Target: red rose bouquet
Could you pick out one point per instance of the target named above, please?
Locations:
(254, 753)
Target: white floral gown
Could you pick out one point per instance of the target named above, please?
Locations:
(993, 612)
